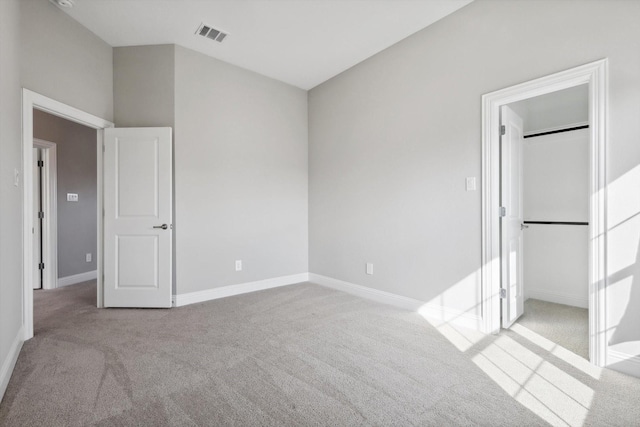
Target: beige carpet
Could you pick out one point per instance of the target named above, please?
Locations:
(296, 355)
(564, 325)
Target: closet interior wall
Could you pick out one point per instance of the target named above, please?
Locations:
(555, 190)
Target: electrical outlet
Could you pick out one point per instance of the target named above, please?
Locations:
(370, 269)
(72, 197)
(88, 257)
(239, 265)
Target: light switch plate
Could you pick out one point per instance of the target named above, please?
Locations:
(370, 268)
(471, 183)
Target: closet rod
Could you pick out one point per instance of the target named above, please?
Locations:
(556, 222)
(557, 131)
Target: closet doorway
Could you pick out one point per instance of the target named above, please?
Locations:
(502, 269)
(554, 197)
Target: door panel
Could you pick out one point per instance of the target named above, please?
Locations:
(142, 274)
(511, 225)
(137, 157)
(137, 202)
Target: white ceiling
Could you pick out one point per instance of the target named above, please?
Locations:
(563, 108)
(300, 42)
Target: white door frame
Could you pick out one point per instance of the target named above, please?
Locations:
(31, 100)
(49, 233)
(594, 74)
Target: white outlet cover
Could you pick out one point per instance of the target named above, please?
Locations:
(369, 268)
(72, 197)
(238, 265)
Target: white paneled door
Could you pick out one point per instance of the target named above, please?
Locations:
(511, 143)
(137, 217)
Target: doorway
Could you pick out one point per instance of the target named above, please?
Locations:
(69, 230)
(496, 296)
(554, 225)
(31, 101)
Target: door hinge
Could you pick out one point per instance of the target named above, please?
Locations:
(40, 163)
(40, 215)
(503, 293)
(503, 129)
(503, 211)
(41, 266)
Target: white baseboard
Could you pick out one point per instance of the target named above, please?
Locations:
(558, 298)
(77, 278)
(242, 288)
(10, 362)
(625, 363)
(433, 311)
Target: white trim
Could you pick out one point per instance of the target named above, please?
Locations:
(50, 209)
(625, 363)
(77, 278)
(433, 311)
(10, 362)
(242, 288)
(557, 297)
(595, 75)
(31, 100)
(555, 128)
(383, 297)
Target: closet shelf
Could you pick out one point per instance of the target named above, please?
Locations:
(556, 222)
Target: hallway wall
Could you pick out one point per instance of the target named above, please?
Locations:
(76, 173)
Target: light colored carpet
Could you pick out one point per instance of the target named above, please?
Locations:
(296, 355)
(562, 324)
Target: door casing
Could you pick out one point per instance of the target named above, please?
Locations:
(30, 101)
(595, 74)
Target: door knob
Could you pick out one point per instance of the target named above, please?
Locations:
(163, 226)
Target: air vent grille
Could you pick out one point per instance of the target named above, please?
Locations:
(211, 33)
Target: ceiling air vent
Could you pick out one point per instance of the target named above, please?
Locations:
(211, 33)
(63, 3)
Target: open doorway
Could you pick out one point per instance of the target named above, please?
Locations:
(65, 202)
(555, 216)
(502, 277)
(33, 101)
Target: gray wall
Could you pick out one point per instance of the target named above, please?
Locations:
(63, 60)
(241, 175)
(240, 162)
(10, 195)
(393, 138)
(143, 86)
(76, 173)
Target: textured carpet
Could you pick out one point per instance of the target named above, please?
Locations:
(296, 355)
(562, 324)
